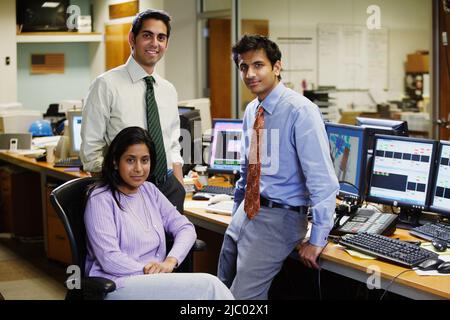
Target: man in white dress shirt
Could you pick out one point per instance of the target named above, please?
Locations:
(117, 99)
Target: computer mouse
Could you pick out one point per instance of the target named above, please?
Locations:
(430, 264)
(219, 198)
(444, 268)
(202, 196)
(439, 245)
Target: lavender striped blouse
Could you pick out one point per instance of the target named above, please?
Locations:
(120, 243)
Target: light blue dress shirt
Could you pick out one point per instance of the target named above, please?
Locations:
(296, 164)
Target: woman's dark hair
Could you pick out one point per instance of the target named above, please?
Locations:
(123, 140)
(150, 14)
(257, 42)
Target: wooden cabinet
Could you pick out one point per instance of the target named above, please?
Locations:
(58, 247)
(5, 200)
(21, 206)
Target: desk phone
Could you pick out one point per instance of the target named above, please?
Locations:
(369, 221)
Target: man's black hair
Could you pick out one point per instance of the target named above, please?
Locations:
(150, 14)
(257, 42)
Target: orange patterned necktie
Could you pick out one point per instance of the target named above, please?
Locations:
(251, 204)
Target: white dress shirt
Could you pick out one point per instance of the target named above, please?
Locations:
(116, 100)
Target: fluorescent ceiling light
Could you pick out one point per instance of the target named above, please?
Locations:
(50, 4)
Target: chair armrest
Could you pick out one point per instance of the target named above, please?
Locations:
(92, 288)
(98, 284)
(199, 245)
(96, 288)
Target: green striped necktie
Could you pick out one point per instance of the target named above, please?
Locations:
(154, 129)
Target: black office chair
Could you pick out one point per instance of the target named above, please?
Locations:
(69, 203)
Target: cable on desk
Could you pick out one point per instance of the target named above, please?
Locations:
(318, 273)
(392, 281)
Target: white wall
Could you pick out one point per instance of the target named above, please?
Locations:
(8, 73)
(409, 23)
(38, 91)
(181, 57)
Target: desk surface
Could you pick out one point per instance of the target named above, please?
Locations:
(334, 257)
(41, 166)
(434, 285)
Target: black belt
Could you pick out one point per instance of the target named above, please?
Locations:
(269, 203)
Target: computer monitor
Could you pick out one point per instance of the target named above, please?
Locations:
(440, 195)
(349, 155)
(74, 118)
(226, 146)
(402, 171)
(204, 106)
(381, 126)
(191, 137)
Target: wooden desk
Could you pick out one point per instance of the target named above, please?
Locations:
(335, 259)
(41, 166)
(45, 170)
(210, 221)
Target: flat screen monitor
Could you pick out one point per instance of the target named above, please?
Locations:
(190, 137)
(226, 146)
(440, 196)
(381, 126)
(74, 118)
(41, 15)
(349, 156)
(402, 171)
(204, 106)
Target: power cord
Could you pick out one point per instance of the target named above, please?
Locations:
(392, 281)
(318, 274)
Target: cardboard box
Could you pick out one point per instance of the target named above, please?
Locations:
(418, 62)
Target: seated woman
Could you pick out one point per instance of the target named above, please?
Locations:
(126, 219)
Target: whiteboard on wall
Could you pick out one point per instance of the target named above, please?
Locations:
(299, 59)
(352, 57)
(298, 53)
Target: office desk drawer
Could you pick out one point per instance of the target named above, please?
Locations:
(58, 243)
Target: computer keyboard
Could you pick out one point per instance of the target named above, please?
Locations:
(218, 190)
(431, 231)
(68, 162)
(395, 251)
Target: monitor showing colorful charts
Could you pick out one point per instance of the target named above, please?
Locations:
(440, 199)
(402, 171)
(226, 146)
(349, 156)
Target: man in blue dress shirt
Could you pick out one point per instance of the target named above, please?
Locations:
(296, 173)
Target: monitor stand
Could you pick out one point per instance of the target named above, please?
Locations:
(408, 218)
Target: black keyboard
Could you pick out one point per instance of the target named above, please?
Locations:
(395, 251)
(431, 231)
(69, 162)
(218, 190)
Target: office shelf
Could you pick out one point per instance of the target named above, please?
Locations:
(61, 37)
